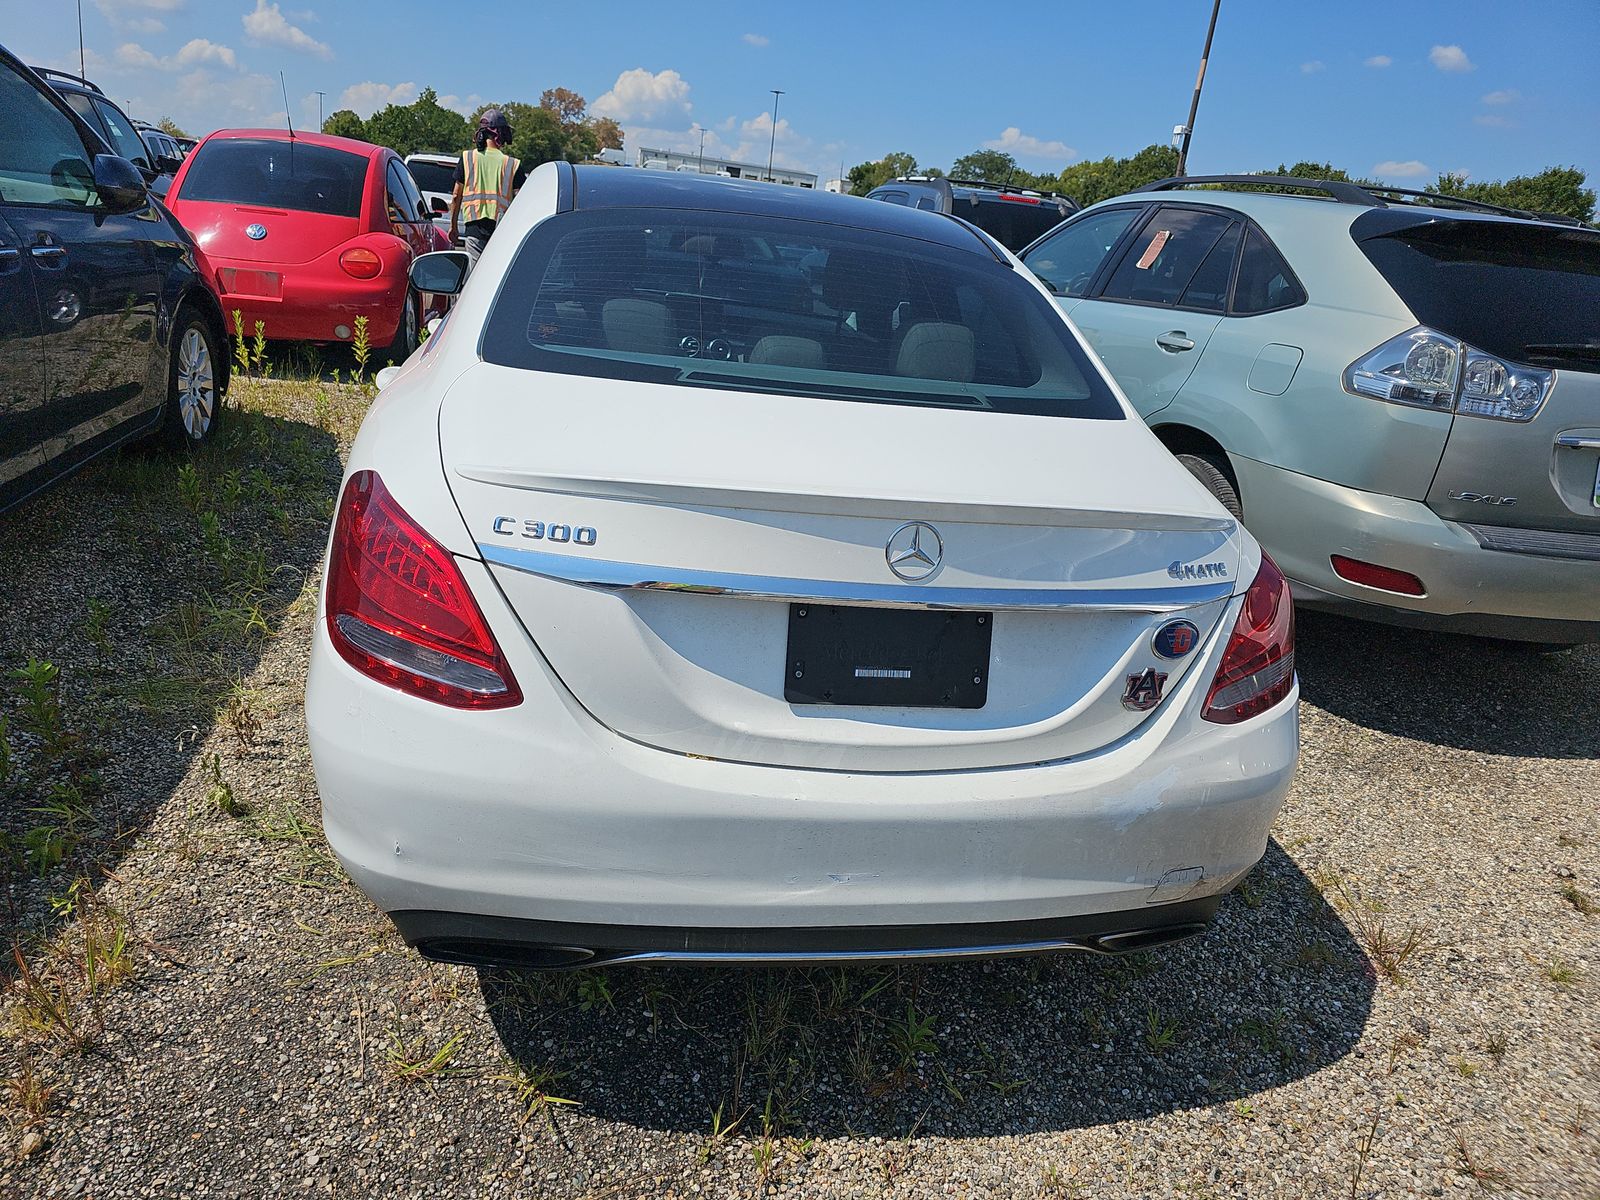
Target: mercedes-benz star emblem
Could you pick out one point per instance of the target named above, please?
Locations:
(255, 232)
(914, 551)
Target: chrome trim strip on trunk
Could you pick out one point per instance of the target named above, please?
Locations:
(656, 491)
(1548, 543)
(1573, 441)
(601, 573)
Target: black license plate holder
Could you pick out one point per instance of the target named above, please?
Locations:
(887, 657)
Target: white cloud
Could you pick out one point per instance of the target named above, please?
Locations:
(134, 16)
(199, 50)
(1312, 67)
(1494, 121)
(756, 39)
(367, 98)
(1451, 58)
(1409, 169)
(269, 27)
(465, 105)
(131, 54)
(1503, 96)
(1021, 145)
(1379, 60)
(638, 95)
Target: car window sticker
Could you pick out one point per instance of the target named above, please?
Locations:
(1153, 249)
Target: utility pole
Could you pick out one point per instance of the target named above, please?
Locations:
(321, 120)
(82, 70)
(773, 143)
(702, 134)
(1194, 105)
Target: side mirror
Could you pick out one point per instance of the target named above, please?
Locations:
(121, 187)
(168, 165)
(439, 206)
(442, 272)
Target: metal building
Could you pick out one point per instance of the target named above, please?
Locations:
(694, 163)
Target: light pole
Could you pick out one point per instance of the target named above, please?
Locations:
(1199, 82)
(773, 142)
(702, 134)
(321, 120)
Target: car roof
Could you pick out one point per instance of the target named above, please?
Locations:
(608, 187)
(441, 159)
(350, 145)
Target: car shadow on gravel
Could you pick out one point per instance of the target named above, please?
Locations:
(1276, 990)
(1447, 690)
(139, 598)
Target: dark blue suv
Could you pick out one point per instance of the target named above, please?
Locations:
(108, 330)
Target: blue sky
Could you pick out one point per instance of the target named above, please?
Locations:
(1401, 90)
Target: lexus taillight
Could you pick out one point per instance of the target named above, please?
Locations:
(399, 610)
(1428, 369)
(1257, 669)
(361, 263)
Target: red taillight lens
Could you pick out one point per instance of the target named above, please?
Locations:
(399, 610)
(1257, 669)
(361, 263)
(1372, 575)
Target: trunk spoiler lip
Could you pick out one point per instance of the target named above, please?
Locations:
(861, 504)
(608, 575)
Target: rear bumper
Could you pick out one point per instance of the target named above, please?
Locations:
(1471, 588)
(472, 825)
(314, 303)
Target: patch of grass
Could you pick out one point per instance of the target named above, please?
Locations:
(531, 1087)
(1580, 900)
(1270, 1034)
(1160, 1033)
(1388, 950)
(1485, 1175)
(220, 797)
(1495, 1046)
(27, 1093)
(1466, 1068)
(1559, 971)
(415, 1065)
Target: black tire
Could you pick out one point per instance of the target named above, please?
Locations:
(407, 335)
(194, 401)
(1212, 471)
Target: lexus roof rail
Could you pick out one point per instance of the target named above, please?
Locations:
(1366, 195)
(51, 73)
(1017, 189)
(1344, 193)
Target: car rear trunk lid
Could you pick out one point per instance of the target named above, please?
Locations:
(659, 544)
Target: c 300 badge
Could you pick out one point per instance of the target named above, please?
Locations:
(538, 531)
(1144, 690)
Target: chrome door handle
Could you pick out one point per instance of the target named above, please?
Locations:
(50, 257)
(10, 259)
(1175, 341)
(1573, 442)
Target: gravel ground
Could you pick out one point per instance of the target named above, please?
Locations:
(1400, 1001)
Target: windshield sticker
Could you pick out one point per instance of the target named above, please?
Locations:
(1153, 249)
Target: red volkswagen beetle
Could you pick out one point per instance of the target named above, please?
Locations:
(306, 232)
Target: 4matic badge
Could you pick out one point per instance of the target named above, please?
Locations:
(537, 531)
(1210, 570)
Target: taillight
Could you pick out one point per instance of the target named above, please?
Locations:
(361, 263)
(1428, 369)
(399, 610)
(1257, 668)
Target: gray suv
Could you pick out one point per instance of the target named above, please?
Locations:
(1400, 393)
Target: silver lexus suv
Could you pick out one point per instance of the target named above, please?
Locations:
(1399, 393)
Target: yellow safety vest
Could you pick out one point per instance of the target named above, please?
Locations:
(486, 189)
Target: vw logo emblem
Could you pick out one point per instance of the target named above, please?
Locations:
(255, 232)
(914, 551)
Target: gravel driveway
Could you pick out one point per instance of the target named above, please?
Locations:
(1400, 1001)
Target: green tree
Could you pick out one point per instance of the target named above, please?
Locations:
(345, 123)
(989, 166)
(607, 133)
(868, 175)
(1100, 179)
(1553, 190)
(423, 126)
(170, 127)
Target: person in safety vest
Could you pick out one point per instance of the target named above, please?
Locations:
(485, 181)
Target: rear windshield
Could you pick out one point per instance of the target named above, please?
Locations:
(1012, 223)
(432, 176)
(767, 304)
(1526, 292)
(277, 174)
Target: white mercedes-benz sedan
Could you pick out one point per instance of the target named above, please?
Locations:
(745, 573)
